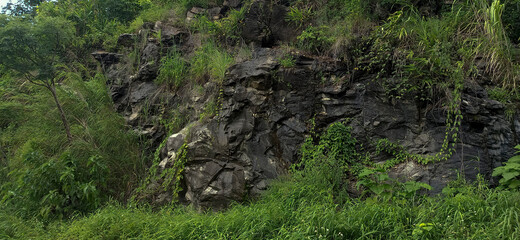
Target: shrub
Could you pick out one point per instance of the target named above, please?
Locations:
(377, 182)
(52, 178)
(327, 164)
(287, 61)
(227, 30)
(299, 17)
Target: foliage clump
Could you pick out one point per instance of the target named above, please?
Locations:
(49, 177)
(510, 172)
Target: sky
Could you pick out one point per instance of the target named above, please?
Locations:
(3, 3)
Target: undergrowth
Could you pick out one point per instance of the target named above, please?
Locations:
(49, 177)
(290, 210)
(307, 205)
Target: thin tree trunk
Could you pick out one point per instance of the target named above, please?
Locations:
(62, 114)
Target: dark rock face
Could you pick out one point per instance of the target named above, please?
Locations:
(232, 3)
(132, 88)
(126, 40)
(264, 120)
(265, 112)
(265, 24)
(106, 58)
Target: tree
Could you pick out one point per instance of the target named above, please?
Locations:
(21, 7)
(34, 49)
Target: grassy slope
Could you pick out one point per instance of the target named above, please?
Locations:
(300, 208)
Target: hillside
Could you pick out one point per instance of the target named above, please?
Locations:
(260, 119)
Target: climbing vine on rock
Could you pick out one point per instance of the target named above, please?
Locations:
(172, 176)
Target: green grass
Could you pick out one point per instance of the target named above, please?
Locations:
(310, 203)
(173, 70)
(292, 210)
(210, 62)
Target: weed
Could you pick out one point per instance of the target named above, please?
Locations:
(210, 109)
(299, 17)
(287, 61)
(510, 172)
(316, 39)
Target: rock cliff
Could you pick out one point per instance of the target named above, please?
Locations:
(264, 116)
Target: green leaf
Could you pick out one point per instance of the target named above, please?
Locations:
(377, 189)
(517, 147)
(425, 186)
(383, 177)
(366, 172)
(515, 159)
(510, 175)
(499, 171)
(428, 228)
(515, 184)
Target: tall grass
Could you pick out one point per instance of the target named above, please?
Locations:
(173, 70)
(210, 62)
(50, 177)
(292, 210)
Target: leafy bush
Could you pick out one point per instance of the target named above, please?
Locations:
(377, 181)
(97, 23)
(299, 17)
(510, 172)
(287, 61)
(227, 30)
(123, 11)
(58, 187)
(327, 164)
